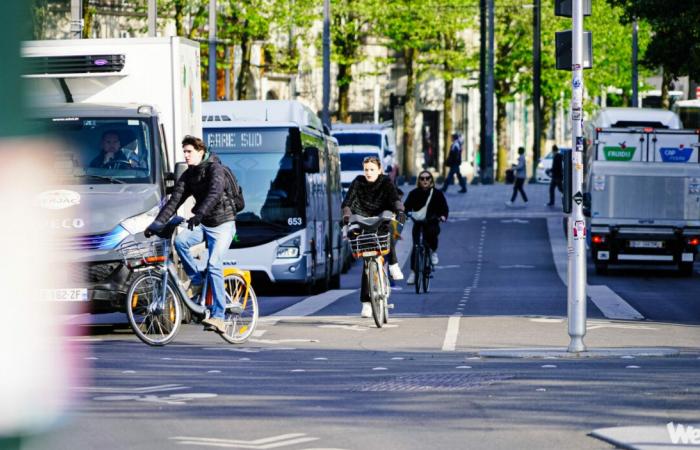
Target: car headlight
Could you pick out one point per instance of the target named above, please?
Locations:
(138, 224)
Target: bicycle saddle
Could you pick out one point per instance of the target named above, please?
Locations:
(170, 227)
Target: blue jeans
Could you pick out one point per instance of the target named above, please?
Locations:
(218, 241)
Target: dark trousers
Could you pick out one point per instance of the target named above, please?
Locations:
(454, 170)
(518, 187)
(552, 184)
(430, 230)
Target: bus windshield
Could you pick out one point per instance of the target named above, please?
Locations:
(271, 176)
(371, 139)
(353, 161)
(101, 150)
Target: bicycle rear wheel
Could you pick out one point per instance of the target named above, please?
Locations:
(426, 270)
(376, 292)
(241, 315)
(155, 320)
(418, 268)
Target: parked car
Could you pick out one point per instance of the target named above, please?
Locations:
(545, 165)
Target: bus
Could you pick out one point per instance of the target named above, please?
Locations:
(289, 170)
(689, 112)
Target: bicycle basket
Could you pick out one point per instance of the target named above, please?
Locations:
(369, 244)
(135, 253)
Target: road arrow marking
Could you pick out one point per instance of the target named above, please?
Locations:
(283, 440)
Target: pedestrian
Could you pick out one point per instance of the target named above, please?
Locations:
(369, 195)
(556, 174)
(454, 159)
(520, 176)
(428, 207)
(213, 221)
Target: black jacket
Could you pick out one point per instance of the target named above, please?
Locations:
(438, 205)
(370, 199)
(206, 182)
(557, 171)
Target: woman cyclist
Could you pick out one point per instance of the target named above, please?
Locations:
(369, 195)
(429, 203)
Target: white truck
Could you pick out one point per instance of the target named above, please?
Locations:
(643, 179)
(140, 96)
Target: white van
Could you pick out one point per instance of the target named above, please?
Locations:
(358, 141)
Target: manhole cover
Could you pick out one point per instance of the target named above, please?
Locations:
(433, 382)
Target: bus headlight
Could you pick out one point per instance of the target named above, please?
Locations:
(288, 252)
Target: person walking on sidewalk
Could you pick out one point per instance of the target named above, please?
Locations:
(556, 174)
(429, 209)
(454, 159)
(369, 195)
(520, 175)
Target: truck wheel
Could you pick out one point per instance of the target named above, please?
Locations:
(601, 268)
(686, 269)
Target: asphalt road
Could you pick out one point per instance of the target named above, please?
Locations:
(316, 375)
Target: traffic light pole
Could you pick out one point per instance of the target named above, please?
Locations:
(576, 298)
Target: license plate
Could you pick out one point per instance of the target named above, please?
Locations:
(647, 244)
(65, 295)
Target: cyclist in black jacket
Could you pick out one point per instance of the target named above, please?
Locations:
(369, 195)
(212, 220)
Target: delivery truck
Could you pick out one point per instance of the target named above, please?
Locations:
(643, 182)
(117, 110)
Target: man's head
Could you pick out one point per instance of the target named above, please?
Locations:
(555, 149)
(455, 136)
(194, 150)
(521, 150)
(110, 142)
(372, 168)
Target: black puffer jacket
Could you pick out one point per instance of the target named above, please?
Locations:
(438, 205)
(370, 199)
(206, 182)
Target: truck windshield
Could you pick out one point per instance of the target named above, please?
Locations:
(270, 173)
(372, 139)
(101, 150)
(353, 161)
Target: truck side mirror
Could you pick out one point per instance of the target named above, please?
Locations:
(180, 168)
(311, 163)
(171, 178)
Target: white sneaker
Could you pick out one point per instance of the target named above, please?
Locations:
(366, 310)
(411, 278)
(434, 258)
(509, 203)
(395, 272)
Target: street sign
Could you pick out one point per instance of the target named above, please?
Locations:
(562, 8)
(563, 50)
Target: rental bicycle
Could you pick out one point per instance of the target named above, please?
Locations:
(369, 241)
(156, 295)
(421, 263)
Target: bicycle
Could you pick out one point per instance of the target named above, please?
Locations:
(420, 260)
(371, 244)
(156, 295)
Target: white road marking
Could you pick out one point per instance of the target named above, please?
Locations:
(283, 440)
(345, 327)
(281, 341)
(311, 304)
(515, 221)
(606, 300)
(128, 390)
(450, 342)
(517, 266)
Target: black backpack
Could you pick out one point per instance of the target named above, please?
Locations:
(233, 190)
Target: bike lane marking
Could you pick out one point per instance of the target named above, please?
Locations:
(605, 299)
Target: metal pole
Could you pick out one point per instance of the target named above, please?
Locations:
(325, 113)
(376, 102)
(487, 177)
(152, 15)
(482, 89)
(76, 19)
(536, 86)
(576, 302)
(212, 50)
(635, 72)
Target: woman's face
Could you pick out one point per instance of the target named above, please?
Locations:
(425, 180)
(371, 171)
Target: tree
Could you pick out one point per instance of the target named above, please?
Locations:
(676, 41)
(408, 26)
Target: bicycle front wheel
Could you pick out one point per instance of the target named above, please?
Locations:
(376, 293)
(154, 319)
(241, 315)
(427, 269)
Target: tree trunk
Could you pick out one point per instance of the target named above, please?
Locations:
(179, 19)
(409, 115)
(446, 124)
(242, 83)
(502, 142)
(88, 19)
(665, 83)
(344, 75)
